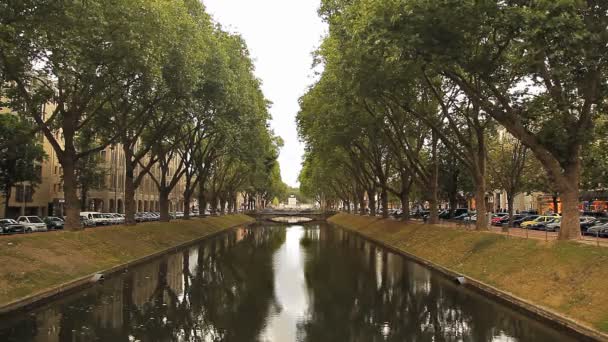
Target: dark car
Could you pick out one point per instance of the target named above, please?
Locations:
(9, 226)
(588, 222)
(517, 222)
(543, 225)
(53, 222)
(505, 219)
(599, 229)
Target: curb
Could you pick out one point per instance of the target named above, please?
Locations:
(41, 298)
(542, 314)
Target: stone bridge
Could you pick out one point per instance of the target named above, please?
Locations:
(271, 215)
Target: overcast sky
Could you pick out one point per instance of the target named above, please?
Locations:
(281, 35)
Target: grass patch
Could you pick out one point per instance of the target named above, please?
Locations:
(566, 277)
(36, 262)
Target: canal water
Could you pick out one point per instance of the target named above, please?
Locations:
(277, 283)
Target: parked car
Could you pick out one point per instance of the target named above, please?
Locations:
(553, 226)
(53, 222)
(461, 216)
(472, 218)
(140, 217)
(542, 225)
(600, 229)
(525, 218)
(589, 221)
(497, 218)
(460, 211)
(85, 222)
(539, 219)
(32, 224)
(505, 219)
(10, 226)
(120, 218)
(444, 214)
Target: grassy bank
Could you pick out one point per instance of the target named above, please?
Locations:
(568, 278)
(36, 262)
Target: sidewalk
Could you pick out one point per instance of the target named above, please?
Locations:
(527, 233)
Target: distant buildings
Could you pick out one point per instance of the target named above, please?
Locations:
(292, 202)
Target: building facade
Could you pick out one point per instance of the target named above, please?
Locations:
(47, 198)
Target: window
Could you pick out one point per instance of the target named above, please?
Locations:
(34, 219)
(56, 168)
(24, 194)
(103, 155)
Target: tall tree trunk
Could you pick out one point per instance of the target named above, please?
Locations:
(129, 204)
(361, 203)
(570, 228)
(371, 198)
(213, 204)
(202, 200)
(84, 194)
(453, 204)
(510, 201)
(405, 204)
(480, 203)
(433, 205)
(384, 203)
(164, 205)
(480, 182)
(187, 197)
(222, 206)
(434, 186)
(7, 198)
(70, 191)
(555, 204)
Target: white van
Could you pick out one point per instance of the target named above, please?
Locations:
(96, 217)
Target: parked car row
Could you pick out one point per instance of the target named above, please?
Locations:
(29, 224)
(147, 216)
(596, 226)
(94, 219)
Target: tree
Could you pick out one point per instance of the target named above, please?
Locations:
(20, 155)
(80, 56)
(534, 67)
(507, 163)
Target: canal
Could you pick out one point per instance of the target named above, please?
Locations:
(277, 283)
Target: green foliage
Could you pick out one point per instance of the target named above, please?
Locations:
(20, 153)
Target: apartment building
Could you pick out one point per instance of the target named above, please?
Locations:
(47, 199)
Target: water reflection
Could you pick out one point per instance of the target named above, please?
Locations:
(276, 284)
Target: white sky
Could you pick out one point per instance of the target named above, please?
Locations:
(281, 36)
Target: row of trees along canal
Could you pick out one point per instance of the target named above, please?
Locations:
(418, 96)
(158, 78)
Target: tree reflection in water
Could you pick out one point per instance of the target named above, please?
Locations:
(369, 294)
(220, 291)
(224, 290)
